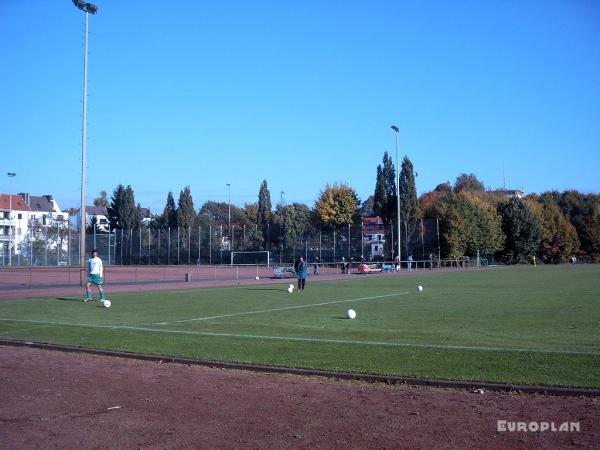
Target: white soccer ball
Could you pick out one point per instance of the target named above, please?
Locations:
(420, 288)
(257, 278)
(351, 314)
(291, 286)
(106, 303)
(290, 290)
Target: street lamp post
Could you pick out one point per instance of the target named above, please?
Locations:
(10, 227)
(397, 131)
(88, 8)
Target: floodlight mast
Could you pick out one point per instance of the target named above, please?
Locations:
(88, 8)
(397, 131)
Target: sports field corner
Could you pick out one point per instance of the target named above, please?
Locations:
(518, 326)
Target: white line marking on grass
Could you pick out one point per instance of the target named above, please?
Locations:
(309, 339)
(285, 308)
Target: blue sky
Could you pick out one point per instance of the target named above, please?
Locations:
(300, 93)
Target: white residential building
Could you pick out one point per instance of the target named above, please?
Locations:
(99, 213)
(24, 217)
(14, 219)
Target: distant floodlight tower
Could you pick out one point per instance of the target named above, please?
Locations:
(397, 131)
(88, 8)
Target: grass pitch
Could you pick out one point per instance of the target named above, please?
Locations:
(520, 325)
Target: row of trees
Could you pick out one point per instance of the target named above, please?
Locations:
(551, 226)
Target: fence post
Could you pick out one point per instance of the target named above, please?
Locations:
(334, 244)
(437, 224)
(140, 253)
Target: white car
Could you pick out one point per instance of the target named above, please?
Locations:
(284, 272)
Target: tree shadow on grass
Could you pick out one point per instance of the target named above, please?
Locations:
(65, 299)
(266, 289)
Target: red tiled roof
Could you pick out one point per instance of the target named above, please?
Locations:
(18, 204)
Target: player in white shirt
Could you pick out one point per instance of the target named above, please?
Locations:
(95, 273)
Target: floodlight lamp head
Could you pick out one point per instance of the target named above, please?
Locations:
(395, 128)
(87, 7)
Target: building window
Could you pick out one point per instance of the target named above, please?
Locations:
(20, 216)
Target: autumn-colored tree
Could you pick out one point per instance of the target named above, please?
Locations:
(337, 205)
(468, 225)
(559, 237)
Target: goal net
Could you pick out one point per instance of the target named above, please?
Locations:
(256, 257)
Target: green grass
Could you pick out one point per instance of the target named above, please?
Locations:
(520, 325)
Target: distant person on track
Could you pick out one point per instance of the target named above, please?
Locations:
(301, 270)
(316, 267)
(95, 273)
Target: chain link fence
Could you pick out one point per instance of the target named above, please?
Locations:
(56, 246)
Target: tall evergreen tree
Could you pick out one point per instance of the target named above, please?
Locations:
(185, 209)
(115, 207)
(170, 212)
(366, 207)
(186, 216)
(264, 218)
(130, 214)
(123, 214)
(380, 196)
(389, 174)
(409, 210)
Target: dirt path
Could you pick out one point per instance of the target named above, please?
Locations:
(47, 282)
(52, 399)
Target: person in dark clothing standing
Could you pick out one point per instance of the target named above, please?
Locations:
(301, 270)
